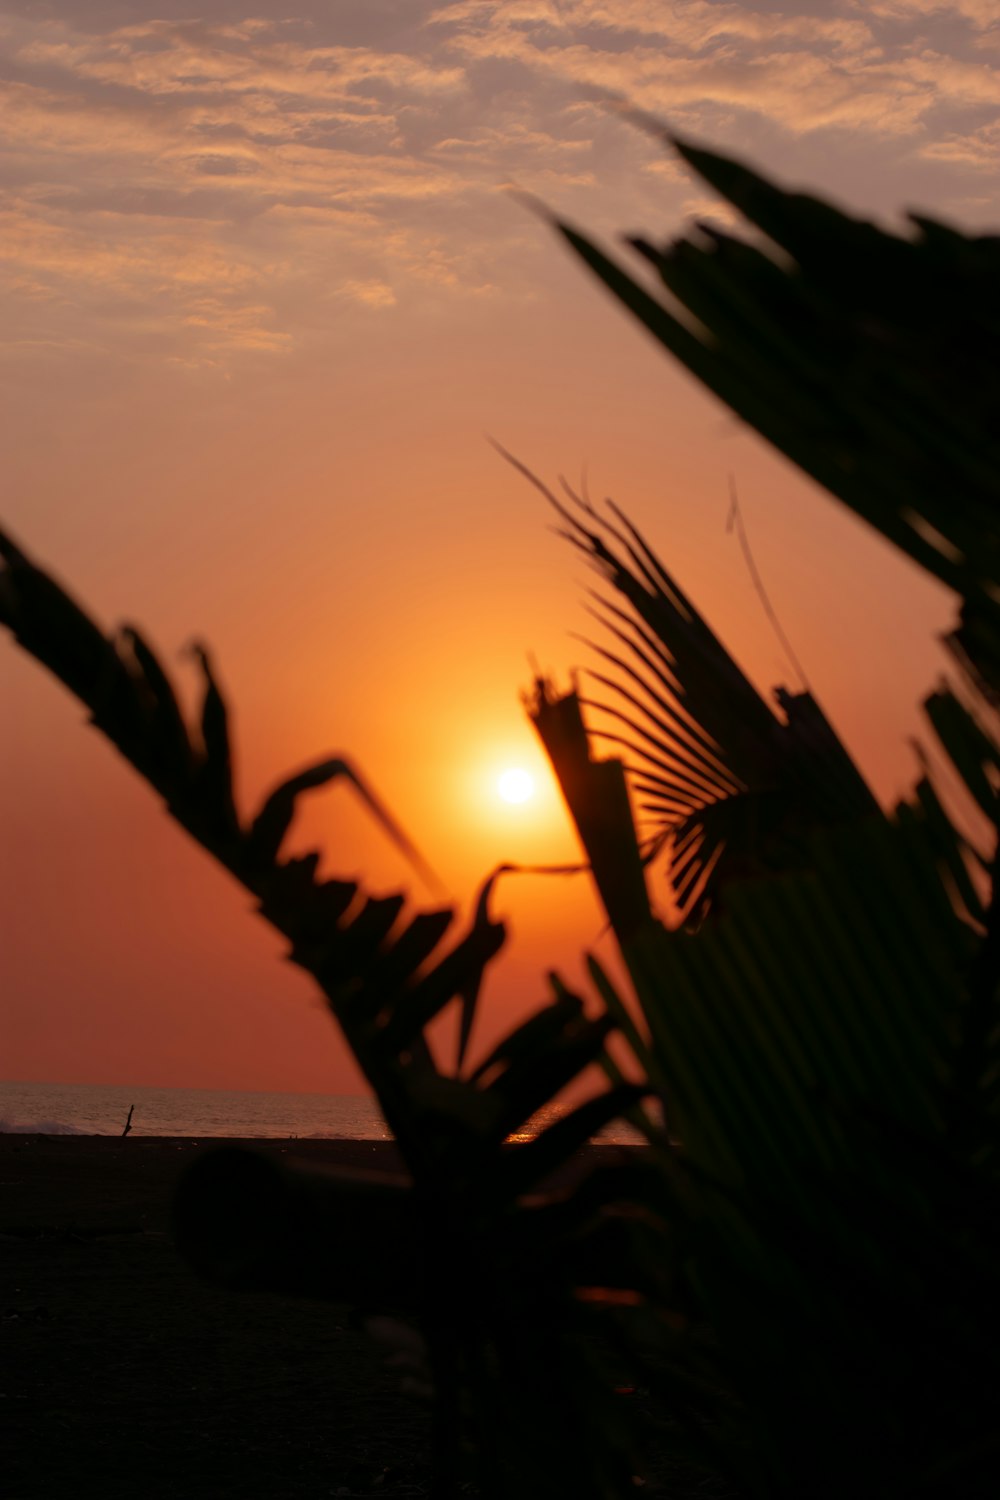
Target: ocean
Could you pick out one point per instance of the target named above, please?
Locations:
(88, 1109)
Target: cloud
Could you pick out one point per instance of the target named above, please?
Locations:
(950, 79)
(161, 57)
(176, 166)
(227, 327)
(370, 293)
(692, 24)
(804, 71)
(978, 149)
(110, 268)
(207, 190)
(796, 88)
(978, 13)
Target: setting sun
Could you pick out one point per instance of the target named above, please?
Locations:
(516, 785)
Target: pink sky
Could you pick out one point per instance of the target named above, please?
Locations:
(263, 297)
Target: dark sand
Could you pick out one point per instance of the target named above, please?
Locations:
(122, 1374)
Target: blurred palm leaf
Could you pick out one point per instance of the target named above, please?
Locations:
(496, 1286)
(867, 358)
(729, 786)
(827, 1049)
(827, 1043)
(831, 1045)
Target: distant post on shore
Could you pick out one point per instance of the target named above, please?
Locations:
(128, 1122)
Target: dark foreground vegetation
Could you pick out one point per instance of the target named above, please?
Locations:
(801, 1274)
(123, 1372)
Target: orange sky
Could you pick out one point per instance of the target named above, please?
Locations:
(263, 297)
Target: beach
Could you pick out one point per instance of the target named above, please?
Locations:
(124, 1374)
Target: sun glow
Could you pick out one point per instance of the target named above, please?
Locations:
(516, 785)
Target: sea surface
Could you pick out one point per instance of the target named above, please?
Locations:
(89, 1109)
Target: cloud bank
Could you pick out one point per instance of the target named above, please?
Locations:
(204, 190)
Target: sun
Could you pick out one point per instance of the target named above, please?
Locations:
(516, 785)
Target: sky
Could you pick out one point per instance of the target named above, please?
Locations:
(265, 298)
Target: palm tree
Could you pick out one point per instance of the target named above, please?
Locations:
(498, 1277)
(827, 1040)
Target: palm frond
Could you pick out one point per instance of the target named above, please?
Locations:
(736, 785)
(472, 1270)
(827, 1050)
(867, 358)
(598, 800)
(828, 1044)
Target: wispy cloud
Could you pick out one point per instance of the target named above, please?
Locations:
(979, 149)
(172, 162)
(981, 14)
(195, 185)
(805, 71)
(168, 57)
